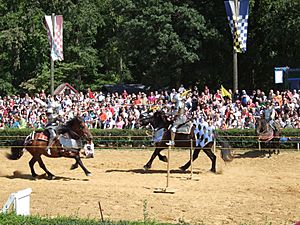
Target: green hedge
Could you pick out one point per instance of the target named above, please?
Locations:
(107, 137)
(247, 138)
(237, 138)
(121, 137)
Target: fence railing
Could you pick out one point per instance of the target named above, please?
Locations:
(242, 143)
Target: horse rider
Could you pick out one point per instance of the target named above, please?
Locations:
(179, 114)
(269, 114)
(51, 126)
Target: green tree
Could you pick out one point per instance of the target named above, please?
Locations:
(161, 40)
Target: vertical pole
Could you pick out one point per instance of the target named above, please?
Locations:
(191, 157)
(52, 62)
(101, 213)
(259, 146)
(215, 144)
(235, 71)
(168, 167)
(235, 57)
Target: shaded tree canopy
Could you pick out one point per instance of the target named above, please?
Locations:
(160, 43)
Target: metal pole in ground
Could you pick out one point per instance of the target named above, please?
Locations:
(168, 167)
(166, 190)
(215, 144)
(235, 55)
(191, 158)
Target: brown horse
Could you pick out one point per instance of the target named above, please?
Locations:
(268, 134)
(36, 144)
(159, 121)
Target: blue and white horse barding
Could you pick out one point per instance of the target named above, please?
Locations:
(198, 135)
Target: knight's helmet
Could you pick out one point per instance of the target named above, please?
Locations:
(51, 114)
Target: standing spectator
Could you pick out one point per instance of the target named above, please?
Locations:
(295, 94)
(181, 89)
(271, 95)
(218, 96)
(137, 100)
(144, 100)
(151, 98)
(278, 98)
(206, 90)
(124, 94)
(236, 96)
(90, 94)
(42, 95)
(244, 98)
(172, 95)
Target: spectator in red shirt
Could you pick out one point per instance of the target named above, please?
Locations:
(124, 94)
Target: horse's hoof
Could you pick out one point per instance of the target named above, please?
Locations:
(88, 174)
(213, 170)
(52, 177)
(182, 168)
(147, 167)
(73, 167)
(164, 159)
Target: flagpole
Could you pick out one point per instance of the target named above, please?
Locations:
(52, 62)
(235, 55)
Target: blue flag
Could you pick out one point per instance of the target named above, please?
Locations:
(238, 23)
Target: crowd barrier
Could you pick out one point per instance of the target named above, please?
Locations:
(241, 143)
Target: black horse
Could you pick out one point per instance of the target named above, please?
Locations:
(159, 120)
(268, 134)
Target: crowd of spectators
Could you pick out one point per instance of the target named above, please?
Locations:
(121, 110)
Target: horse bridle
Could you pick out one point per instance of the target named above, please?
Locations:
(154, 129)
(76, 134)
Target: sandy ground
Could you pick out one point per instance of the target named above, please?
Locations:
(251, 190)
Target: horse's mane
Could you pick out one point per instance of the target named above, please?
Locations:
(163, 117)
(161, 114)
(76, 119)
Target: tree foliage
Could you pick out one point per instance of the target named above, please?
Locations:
(156, 42)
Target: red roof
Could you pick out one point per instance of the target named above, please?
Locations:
(61, 88)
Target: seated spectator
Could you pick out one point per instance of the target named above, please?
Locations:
(15, 122)
(119, 123)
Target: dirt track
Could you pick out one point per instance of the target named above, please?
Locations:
(254, 190)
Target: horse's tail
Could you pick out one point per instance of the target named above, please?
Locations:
(226, 152)
(16, 150)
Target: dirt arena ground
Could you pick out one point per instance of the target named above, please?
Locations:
(252, 190)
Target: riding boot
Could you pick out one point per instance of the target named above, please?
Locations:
(272, 124)
(172, 141)
(50, 143)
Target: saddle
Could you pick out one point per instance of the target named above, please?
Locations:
(66, 142)
(184, 128)
(269, 134)
(40, 136)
